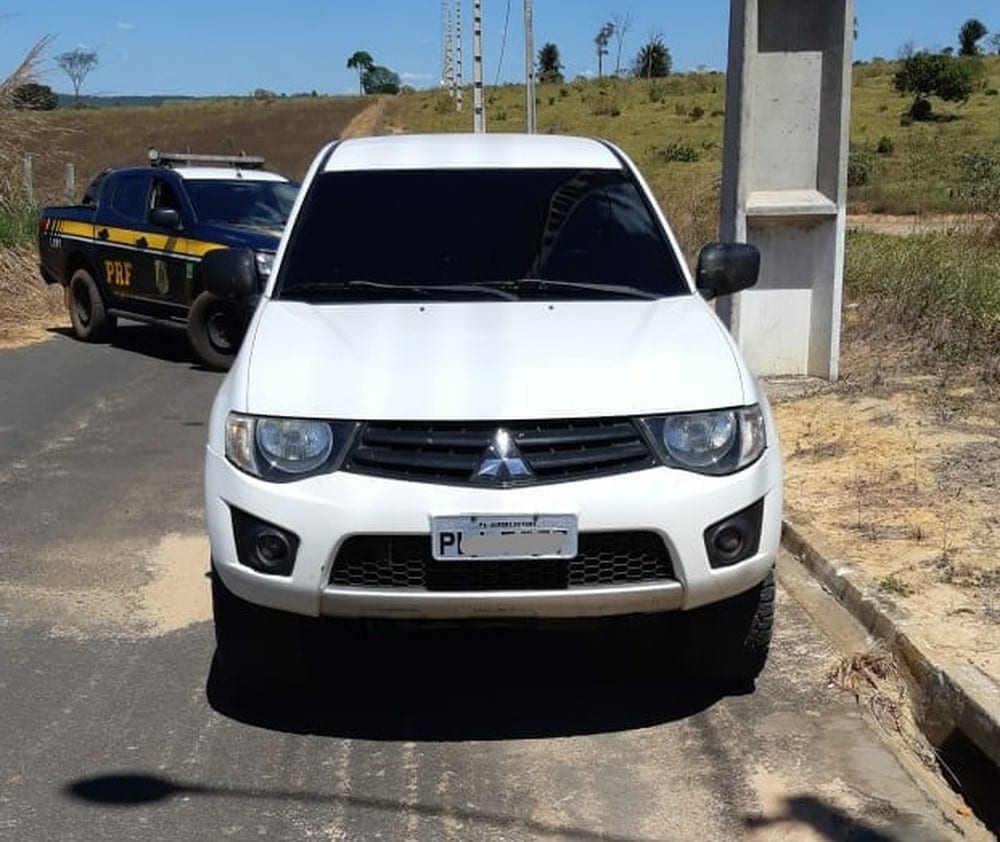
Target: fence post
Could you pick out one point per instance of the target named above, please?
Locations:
(70, 182)
(29, 181)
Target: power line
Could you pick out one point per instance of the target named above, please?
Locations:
(503, 43)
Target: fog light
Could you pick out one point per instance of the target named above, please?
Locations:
(263, 546)
(273, 549)
(736, 538)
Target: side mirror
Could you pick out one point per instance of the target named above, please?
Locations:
(229, 273)
(725, 268)
(165, 218)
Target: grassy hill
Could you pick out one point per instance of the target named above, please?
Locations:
(672, 128)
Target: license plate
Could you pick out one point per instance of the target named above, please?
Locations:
(498, 537)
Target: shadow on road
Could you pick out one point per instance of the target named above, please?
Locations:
(160, 343)
(475, 684)
(137, 790)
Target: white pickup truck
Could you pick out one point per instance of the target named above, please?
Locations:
(482, 384)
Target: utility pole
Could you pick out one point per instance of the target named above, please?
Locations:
(449, 64)
(445, 42)
(460, 78)
(479, 111)
(529, 62)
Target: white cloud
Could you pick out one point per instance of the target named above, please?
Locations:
(417, 77)
(125, 25)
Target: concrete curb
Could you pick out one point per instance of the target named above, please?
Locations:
(948, 696)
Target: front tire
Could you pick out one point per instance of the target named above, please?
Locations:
(259, 649)
(729, 640)
(214, 330)
(87, 312)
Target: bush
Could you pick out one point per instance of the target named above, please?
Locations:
(885, 146)
(860, 165)
(608, 108)
(678, 151)
(696, 113)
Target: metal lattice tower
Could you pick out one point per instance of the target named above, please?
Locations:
(479, 110)
(459, 79)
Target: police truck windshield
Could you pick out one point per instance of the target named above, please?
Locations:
(245, 202)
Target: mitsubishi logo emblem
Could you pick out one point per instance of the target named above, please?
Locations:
(502, 460)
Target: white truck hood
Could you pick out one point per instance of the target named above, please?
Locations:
(490, 360)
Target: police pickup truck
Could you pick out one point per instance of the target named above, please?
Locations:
(132, 248)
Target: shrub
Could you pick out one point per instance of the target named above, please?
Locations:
(885, 146)
(860, 165)
(678, 151)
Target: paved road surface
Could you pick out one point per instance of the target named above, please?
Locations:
(114, 727)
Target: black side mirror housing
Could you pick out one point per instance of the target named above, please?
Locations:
(725, 268)
(165, 218)
(229, 273)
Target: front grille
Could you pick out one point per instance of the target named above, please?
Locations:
(453, 452)
(405, 562)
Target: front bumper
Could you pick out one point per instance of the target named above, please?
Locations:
(326, 510)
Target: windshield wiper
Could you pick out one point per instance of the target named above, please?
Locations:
(541, 285)
(422, 289)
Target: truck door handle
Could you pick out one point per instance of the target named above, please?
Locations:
(103, 234)
(142, 242)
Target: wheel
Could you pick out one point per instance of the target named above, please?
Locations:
(90, 319)
(259, 650)
(214, 330)
(729, 641)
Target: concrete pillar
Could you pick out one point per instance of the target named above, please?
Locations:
(785, 178)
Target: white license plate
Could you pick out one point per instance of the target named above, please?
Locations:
(497, 537)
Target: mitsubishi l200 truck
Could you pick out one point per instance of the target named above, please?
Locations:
(482, 384)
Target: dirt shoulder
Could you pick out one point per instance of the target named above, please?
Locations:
(900, 468)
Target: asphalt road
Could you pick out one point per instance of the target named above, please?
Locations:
(114, 726)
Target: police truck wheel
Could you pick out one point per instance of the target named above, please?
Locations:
(214, 331)
(87, 313)
(260, 650)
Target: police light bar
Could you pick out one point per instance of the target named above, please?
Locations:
(169, 159)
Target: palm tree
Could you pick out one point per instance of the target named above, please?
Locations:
(362, 62)
(968, 37)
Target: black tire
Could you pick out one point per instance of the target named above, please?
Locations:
(259, 649)
(214, 330)
(87, 312)
(729, 641)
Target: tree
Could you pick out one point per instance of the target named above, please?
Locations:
(926, 74)
(362, 62)
(549, 65)
(380, 80)
(969, 36)
(77, 64)
(601, 42)
(622, 22)
(653, 59)
(31, 96)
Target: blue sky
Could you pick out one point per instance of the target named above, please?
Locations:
(205, 48)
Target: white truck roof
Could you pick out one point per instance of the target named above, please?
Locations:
(472, 151)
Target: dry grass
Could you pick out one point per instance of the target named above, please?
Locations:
(287, 132)
(27, 305)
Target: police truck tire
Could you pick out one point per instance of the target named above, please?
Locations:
(259, 650)
(728, 641)
(213, 331)
(87, 312)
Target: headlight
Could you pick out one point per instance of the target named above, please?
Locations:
(283, 449)
(719, 442)
(265, 262)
